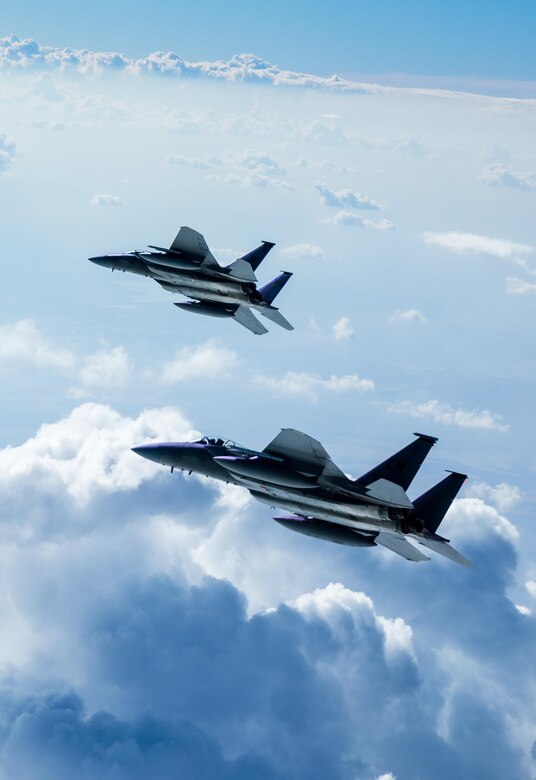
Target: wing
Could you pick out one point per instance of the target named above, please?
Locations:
(444, 549)
(399, 545)
(245, 317)
(303, 452)
(191, 242)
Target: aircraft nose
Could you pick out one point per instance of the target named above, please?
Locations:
(101, 260)
(152, 452)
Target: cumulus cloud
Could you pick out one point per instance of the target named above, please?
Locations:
(346, 199)
(302, 250)
(207, 361)
(498, 175)
(342, 330)
(450, 415)
(305, 385)
(351, 219)
(22, 342)
(516, 286)
(104, 199)
(106, 368)
(408, 145)
(8, 152)
(407, 315)
(474, 244)
(503, 496)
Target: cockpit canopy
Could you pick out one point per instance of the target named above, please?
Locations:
(218, 441)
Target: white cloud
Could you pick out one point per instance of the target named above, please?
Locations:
(503, 496)
(530, 585)
(207, 361)
(342, 329)
(305, 385)
(407, 315)
(302, 250)
(472, 243)
(89, 451)
(22, 342)
(449, 415)
(405, 144)
(8, 152)
(193, 162)
(255, 179)
(497, 174)
(104, 199)
(106, 368)
(345, 199)
(351, 219)
(260, 162)
(516, 286)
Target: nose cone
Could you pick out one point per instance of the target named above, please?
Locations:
(102, 260)
(154, 452)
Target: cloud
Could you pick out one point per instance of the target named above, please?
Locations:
(302, 250)
(350, 219)
(89, 451)
(8, 152)
(342, 330)
(449, 415)
(345, 199)
(516, 286)
(207, 361)
(255, 179)
(106, 368)
(22, 342)
(305, 385)
(474, 244)
(260, 162)
(503, 496)
(408, 145)
(407, 315)
(497, 175)
(193, 162)
(106, 200)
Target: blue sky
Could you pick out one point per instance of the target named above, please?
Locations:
(487, 39)
(155, 624)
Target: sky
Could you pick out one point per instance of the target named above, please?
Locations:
(158, 625)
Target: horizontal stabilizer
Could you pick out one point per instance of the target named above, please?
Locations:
(271, 290)
(256, 256)
(245, 317)
(275, 316)
(445, 549)
(401, 467)
(193, 243)
(389, 493)
(240, 269)
(400, 545)
(433, 505)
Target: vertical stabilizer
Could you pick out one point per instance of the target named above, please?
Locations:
(401, 467)
(271, 290)
(433, 505)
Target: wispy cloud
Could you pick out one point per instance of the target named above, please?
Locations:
(104, 199)
(475, 244)
(8, 152)
(351, 219)
(207, 361)
(515, 286)
(498, 175)
(306, 385)
(106, 368)
(342, 330)
(23, 342)
(193, 162)
(407, 315)
(345, 198)
(450, 415)
(302, 250)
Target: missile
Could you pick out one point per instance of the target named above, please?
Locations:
(330, 532)
(265, 470)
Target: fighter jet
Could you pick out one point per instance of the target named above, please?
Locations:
(295, 473)
(190, 268)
